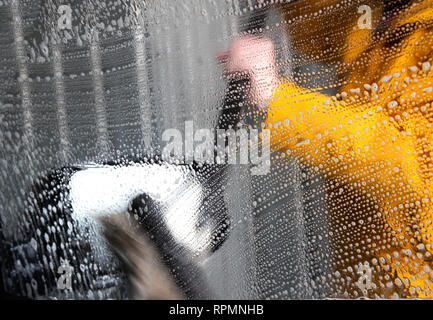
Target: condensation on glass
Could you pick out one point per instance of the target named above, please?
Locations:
(339, 91)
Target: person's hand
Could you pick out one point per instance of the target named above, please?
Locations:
(252, 57)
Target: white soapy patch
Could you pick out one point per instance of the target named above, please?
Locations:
(101, 191)
(108, 190)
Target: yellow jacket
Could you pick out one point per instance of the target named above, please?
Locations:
(375, 137)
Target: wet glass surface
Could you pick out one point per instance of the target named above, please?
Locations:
(231, 149)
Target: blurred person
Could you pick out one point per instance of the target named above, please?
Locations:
(372, 140)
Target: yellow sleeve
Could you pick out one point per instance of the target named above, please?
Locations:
(322, 129)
